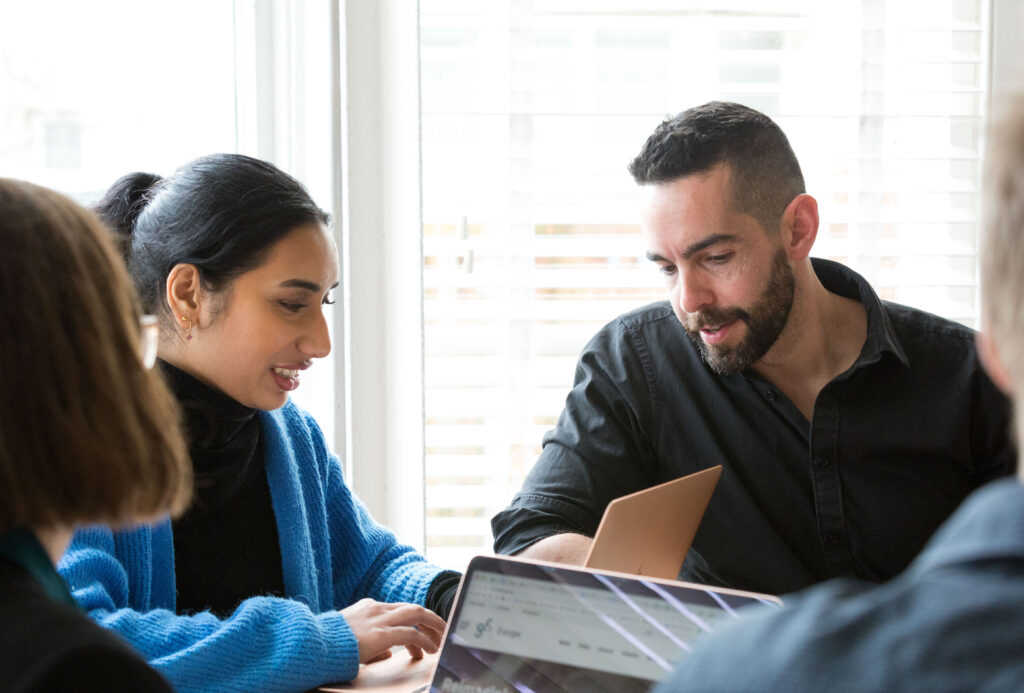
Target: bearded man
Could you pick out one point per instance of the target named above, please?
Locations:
(849, 428)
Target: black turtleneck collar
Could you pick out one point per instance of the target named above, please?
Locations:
(212, 419)
(225, 545)
(223, 439)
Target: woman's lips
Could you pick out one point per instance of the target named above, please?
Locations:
(286, 378)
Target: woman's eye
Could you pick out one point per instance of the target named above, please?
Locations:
(293, 307)
(328, 300)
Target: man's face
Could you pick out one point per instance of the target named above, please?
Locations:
(730, 283)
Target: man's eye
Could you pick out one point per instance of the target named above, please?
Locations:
(667, 269)
(719, 259)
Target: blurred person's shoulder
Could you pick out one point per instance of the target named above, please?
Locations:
(953, 621)
(49, 646)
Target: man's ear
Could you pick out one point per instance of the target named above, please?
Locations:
(183, 293)
(988, 354)
(799, 226)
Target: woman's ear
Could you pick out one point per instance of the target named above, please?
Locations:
(988, 354)
(183, 293)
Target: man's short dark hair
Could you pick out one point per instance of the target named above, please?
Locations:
(765, 174)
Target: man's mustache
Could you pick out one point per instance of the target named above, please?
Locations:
(714, 317)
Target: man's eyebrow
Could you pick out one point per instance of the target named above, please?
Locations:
(695, 248)
(303, 284)
(708, 242)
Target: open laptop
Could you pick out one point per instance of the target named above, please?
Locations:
(522, 625)
(650, 531)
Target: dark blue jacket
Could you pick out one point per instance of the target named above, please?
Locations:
(953, 621)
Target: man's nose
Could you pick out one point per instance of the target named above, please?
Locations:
(692, 293)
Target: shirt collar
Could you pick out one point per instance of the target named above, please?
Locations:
(881, 335)
(22, 548)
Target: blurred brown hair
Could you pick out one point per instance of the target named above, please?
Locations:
(88, 434)
(1002, 245)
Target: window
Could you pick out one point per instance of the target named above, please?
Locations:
(121, 86)
(510, 125)
(113, 87)
(530, 113)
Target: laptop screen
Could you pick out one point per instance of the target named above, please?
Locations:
(521, 626)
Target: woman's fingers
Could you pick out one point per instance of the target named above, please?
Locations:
(379, 626)
(383, 655)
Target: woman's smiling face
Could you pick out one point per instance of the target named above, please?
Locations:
(252, 340)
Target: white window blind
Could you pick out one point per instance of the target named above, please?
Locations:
(530, 113)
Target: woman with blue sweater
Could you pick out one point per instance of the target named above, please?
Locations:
(277, 578)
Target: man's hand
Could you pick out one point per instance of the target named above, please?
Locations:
(379, 626)
(561, 548)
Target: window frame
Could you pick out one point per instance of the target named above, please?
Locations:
(381, 380)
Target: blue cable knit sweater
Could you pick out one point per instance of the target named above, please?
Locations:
(333, 554)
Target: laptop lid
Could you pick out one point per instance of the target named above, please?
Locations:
(650, 531)
(524, 625)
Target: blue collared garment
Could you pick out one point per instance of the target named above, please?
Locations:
(333, 554)
(953, 621)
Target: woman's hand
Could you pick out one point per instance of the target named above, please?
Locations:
(379, 626)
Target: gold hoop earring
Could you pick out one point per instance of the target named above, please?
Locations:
(188, 330)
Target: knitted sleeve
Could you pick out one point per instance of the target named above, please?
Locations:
(388, 570)
(267, 644)
(367, 559)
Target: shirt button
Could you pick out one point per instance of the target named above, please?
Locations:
(771, 395)
(833, 539)
(822, 461)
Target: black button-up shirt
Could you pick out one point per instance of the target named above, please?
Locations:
(895, 443)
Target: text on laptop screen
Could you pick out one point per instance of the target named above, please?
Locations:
(520, 626)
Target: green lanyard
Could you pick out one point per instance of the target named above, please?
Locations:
(20, 547)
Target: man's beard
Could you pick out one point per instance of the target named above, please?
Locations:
(765, 321)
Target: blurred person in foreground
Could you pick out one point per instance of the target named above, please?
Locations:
(88, 433)
(954, 620)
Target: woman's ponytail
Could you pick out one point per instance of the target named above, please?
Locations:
(122, 204)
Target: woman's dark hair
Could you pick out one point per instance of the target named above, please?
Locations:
(87, 433)
(221, 213)
(122, 204)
